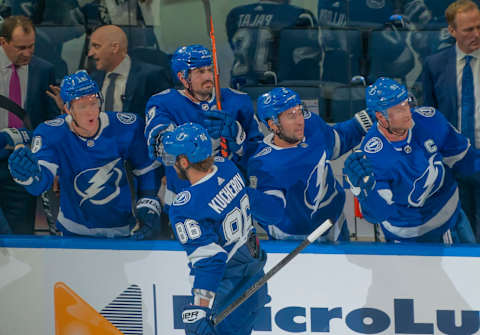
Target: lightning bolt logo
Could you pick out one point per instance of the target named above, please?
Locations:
(317, 183)
(98, 182)
(428, 183)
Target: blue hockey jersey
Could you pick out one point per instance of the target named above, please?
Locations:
(415, 191)
(371, 13)
(211, 219)
(173, 107)
(95, 198)
(295, 188)
(254, 34)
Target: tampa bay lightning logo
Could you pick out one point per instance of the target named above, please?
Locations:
(36, 144)
(263, 152)
(425, 111)
(428, 183)
(126, 118)
(150, 116)
(99, 185)
(55, 122)
(317, 189)
(373, 145)
(182, 198)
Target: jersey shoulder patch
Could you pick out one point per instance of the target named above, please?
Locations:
(263, 152)
(425, 111)
(36, 144)
(55, 122)
(236, 91)
(219, 159)
(182, 198)
(163, 92)
(126, 118)
(307, 114)
(373, 145)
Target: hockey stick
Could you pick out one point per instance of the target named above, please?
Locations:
(280, 265)
(216, 76)
(17, 110)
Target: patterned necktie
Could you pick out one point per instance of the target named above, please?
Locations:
(15, 94)
(468, 101)
(109, 97)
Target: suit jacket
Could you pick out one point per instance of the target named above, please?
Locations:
(144, 80)
(38, 105)
(440, 83)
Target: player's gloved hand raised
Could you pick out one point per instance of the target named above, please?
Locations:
(147, 212)
(359, 173)
(222, 124)
(10, 137)
(197, 321)
(23, 166)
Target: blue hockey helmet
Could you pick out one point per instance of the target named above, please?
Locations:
(190, 57)
(189, 139)
(275, 102)
(77, 85)
(385, 93)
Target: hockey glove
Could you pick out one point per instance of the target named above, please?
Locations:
(197, 321)
(155, 145)
(23, 166)
(147, 212)
(359, 174)
(366, 118)
(10, 137)
(222, 124)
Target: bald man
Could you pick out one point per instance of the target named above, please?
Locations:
(126, 83)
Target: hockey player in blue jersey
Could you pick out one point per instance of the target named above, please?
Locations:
(261, 53)
(292, 186)
(404, 175)
(196, 102)
(87, 149)
(211, 219)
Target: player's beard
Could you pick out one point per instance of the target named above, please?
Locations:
(181, 173)
(281, 134)
(200, 95)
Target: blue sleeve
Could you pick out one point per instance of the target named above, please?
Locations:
(157, 117)
(267, 199)
(267, 209)
(251, 126)
(143, 168)
(207, 258)
(341, 137)
(458, 153)
(43, 147)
